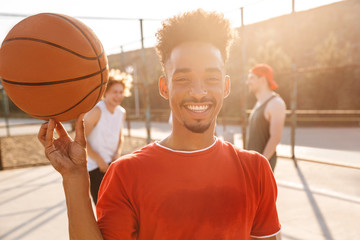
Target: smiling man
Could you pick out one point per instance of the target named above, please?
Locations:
(190, 185)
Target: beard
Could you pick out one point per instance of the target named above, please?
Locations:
(197, 128)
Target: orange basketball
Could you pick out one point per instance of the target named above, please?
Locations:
(53, 66)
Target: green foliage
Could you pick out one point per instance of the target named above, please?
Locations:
(334, 85)
(273, 55)
(331, 52)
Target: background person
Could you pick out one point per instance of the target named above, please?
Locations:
(104, 129)
(267, 118)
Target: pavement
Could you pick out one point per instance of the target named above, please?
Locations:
(319, 200)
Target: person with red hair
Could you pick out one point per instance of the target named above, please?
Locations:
(267, 118)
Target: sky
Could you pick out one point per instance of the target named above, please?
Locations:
(126, 33)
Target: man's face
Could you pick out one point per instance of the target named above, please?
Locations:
(254, 83)
(115, 94)
(195, 85)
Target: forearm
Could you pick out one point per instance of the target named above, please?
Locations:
(82, 223)
(120, 146)
(270, 147)
(94, 155)
(118, 151)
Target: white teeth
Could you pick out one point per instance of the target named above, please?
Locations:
(197, 108)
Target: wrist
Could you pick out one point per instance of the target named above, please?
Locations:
(118, 154)
(100, 161)
(76, 176)
(77, 185)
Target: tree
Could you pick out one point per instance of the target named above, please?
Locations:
(333, 85)
(331, 52)
(272, 55)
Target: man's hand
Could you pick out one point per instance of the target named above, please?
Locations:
(103, 166)
(67, 156)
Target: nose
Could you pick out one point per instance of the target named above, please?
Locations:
(198, 91)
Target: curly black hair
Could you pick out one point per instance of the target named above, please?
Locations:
(199, 25)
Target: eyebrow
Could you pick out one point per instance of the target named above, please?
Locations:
(182, 70)
(187, 70)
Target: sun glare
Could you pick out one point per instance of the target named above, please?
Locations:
(117, 33)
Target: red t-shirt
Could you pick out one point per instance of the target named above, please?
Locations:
(220, 192)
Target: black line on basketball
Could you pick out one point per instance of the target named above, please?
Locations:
(53, 82)
(99, 95)
(53, 115)
(54, 45)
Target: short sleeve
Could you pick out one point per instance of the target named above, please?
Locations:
(266, 222)
(116, 216)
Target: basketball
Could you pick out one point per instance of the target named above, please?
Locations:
(53, 66)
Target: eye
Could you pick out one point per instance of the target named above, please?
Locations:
(181, 80)
(213, 79)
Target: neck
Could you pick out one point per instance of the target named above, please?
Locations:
(109, 107)
(183, 139)
(263, 95)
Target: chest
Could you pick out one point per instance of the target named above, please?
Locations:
(213, 195)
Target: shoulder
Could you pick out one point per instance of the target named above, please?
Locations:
(120, 109)
(255, 166)
(247, 158)
(276, 106)
(252, 158)
(97, 109)
(277, 102)
(93, 115)
(136, 158)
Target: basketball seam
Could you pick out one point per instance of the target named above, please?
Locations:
(54, 45)
(53, 82)
(53, 115)
(60, 16)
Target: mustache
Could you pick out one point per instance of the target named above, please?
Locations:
(195, 100)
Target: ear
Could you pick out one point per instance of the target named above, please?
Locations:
(163, 87)
(264, 81)
(227, 86)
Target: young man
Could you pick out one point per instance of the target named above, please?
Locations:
(190, 185)
(103, 129)
(268, 116)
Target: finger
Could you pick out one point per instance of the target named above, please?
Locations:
(61, 131)
(42, 133)
(80, 130)
(49, 138)
(49, 151)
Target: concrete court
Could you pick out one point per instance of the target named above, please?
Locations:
(315, 201)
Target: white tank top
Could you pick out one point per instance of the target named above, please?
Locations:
(104, 138)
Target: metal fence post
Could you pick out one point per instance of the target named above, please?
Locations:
(243, 97)
(146, 89)
(293, 95)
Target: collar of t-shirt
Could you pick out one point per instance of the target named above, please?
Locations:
(195, 151)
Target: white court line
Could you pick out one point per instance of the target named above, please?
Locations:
(320, 191)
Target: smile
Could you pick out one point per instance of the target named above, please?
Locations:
(197, 108)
